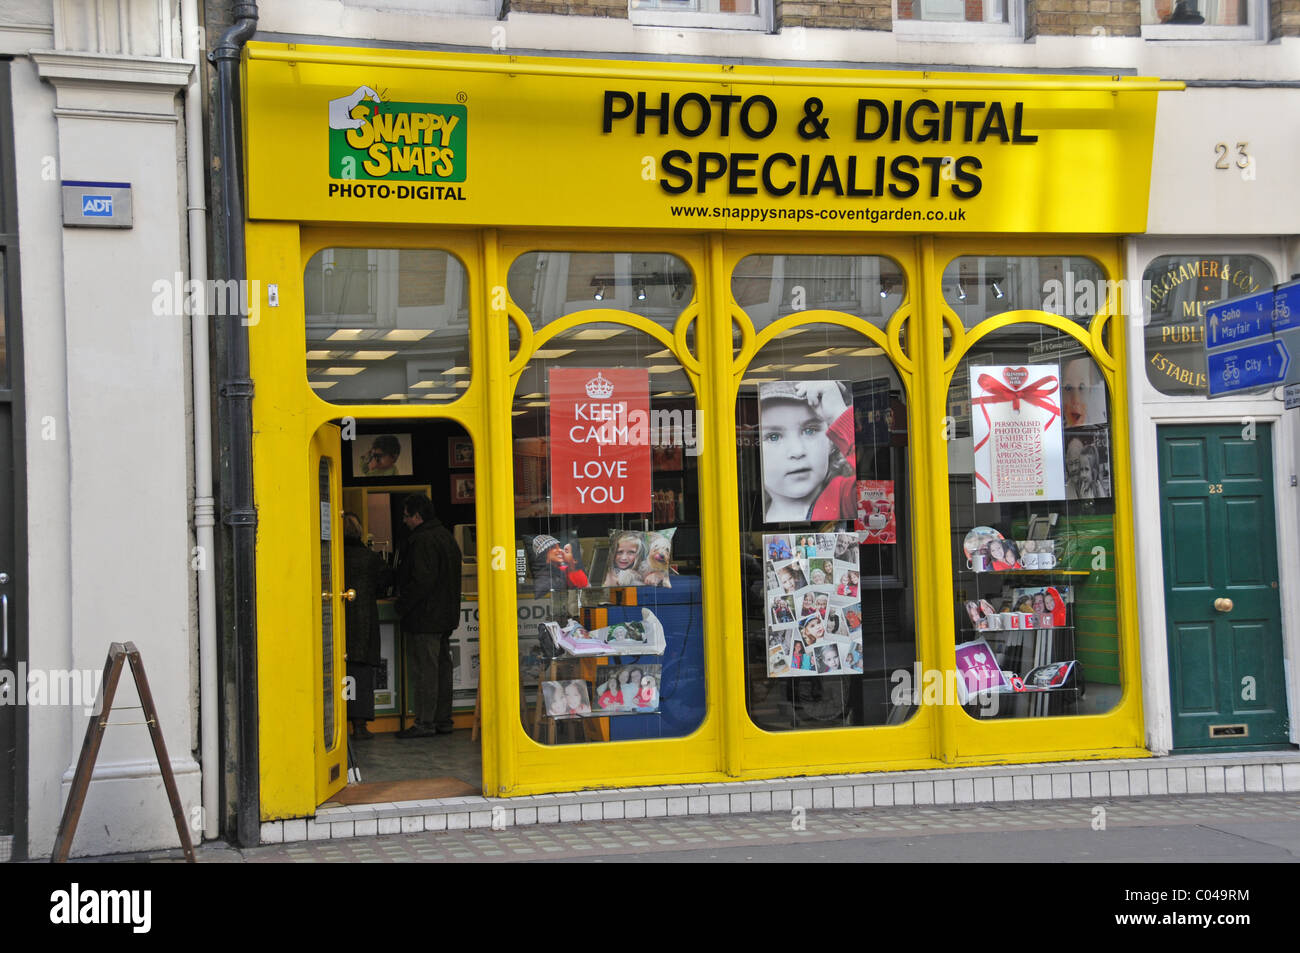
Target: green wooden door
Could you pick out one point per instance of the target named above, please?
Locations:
(1222, 607)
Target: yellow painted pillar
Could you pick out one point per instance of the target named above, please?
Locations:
(931, 497)
(494, 473)
(719, 506)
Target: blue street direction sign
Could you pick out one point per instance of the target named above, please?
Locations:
(1230, 323)
(1263, 364)
(1286, 325)
(1286, 307)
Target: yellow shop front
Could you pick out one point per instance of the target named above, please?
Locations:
(781, 412)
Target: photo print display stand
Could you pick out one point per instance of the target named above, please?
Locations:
(1017, 600)
(582, 657)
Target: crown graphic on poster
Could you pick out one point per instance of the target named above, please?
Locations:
(599, 387)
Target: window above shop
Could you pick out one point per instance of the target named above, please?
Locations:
(958, 19)
(703, 14)
(1203, 19)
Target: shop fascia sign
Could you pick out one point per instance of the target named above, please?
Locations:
(455, 139)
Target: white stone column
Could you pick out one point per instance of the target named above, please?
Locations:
(127, 445)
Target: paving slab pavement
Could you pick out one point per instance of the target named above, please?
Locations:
(1223, 827)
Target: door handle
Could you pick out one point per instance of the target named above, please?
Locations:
(1222, 604)
(346, 596)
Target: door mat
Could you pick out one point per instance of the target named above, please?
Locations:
(417, 789)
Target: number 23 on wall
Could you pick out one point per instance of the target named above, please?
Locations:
(1243, 157)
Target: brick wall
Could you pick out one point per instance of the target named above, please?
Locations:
(580, 8)
(836, 14)
(1284, 18)
(1080, 17)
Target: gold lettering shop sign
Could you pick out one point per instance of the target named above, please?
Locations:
(396, 136)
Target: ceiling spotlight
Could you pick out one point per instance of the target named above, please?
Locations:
(640, 291)
(997, 292)
(600, 293)
(961, 292)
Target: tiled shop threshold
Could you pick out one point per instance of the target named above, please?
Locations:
(1135, 777)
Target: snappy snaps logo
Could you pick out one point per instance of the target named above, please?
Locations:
(371, 138)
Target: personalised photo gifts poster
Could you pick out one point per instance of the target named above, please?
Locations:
(1016, 433)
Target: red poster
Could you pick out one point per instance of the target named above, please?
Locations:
(875, 521)
(600, 440)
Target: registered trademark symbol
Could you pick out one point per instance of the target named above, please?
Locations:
(461, 97)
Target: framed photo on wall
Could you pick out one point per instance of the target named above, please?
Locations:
(381, 455)
(462, 488)
(460, 453)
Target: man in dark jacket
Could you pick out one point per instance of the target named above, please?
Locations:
(428, 600)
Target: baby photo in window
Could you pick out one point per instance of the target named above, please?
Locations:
(808, 458)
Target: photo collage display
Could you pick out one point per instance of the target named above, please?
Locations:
(813, 604)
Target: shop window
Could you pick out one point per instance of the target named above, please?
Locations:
(720, 14)
(1031, 486)
(979, 287)
(1203, 19)
(548, 284)
(611, 635)
(1177, 290)
(480, 8)
(768, 287)
(387, 325)
(823, 464)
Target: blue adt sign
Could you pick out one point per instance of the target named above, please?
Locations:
(1242, 319)
(1263, 364)
(97, 205)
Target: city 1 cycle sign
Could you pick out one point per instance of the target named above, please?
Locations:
(1249, 341)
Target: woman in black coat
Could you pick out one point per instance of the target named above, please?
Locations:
(365, 572)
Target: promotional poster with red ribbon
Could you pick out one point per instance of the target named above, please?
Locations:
(1016, 432)
(600, 440)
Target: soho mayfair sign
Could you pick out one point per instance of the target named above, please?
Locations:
(468, 139)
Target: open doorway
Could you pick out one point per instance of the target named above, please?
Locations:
(391, 599)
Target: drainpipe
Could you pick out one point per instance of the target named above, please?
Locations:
(204, 507)
(236, 419)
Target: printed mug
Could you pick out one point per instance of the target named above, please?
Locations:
(979, 562)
